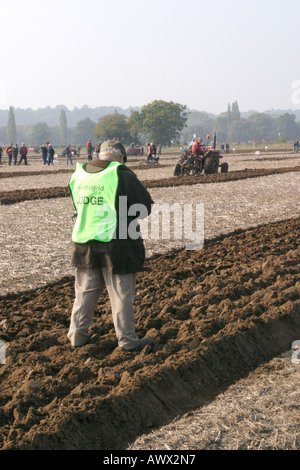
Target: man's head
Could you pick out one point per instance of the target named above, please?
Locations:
(113, 150)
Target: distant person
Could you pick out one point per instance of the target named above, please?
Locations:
(149, 151)
(23, 154)
(190, 145)
(296, 146)
(50, 154)
(196, 147)
(154, 153)
(227, 148)
(9, 152)
(97, 150)
(1, 152)
(68, 153)
(44, 153)
(89, 150)
(16, 152)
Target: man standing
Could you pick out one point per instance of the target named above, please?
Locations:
(68, 153)
(9, 152)
(104, 253)
(44, 153)
(149, 151)
(50, 154)
(23, 153)
(16, 151)
(89, 150)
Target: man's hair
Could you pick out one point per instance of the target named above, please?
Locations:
(112, 151)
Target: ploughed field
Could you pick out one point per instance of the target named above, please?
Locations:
(217, 314)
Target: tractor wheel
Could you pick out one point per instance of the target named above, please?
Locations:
(224, 167)
(177, 170)
(211, 164)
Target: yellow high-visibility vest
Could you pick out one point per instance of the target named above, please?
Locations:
(94, 197)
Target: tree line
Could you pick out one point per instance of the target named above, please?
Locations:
(159, 121)
(230, 126)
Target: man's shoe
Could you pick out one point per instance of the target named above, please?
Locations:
(143, 343)
(80, 345)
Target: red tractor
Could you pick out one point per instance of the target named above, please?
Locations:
(134, 151)
(209, 162)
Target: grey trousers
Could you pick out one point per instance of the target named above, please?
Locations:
(89, 284)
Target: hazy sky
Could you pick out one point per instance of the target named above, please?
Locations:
(203, 54)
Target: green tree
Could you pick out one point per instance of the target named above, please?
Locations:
(229, 115)
(235, 112)
(286, 125)
(11, 129)
(112, 126)
(264, 127)
(40, 133)
(198, 117)
(163, 121)
(135, 125)
(241, 131)
(83, 131)
(63, 127)
(221, 127)
(198, 123)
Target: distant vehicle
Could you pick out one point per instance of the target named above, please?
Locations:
(34, 150)
(75, 152)
(134, 151)
(209, 163)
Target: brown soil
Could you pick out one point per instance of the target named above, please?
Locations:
(215, 315)
(12, 197)
(15, 174)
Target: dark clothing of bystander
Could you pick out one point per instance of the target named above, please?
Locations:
(23, 153)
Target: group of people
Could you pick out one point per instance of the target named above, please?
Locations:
(224, 147)
(152, 152)
(48, 153)
(13, 152)
(90, 149)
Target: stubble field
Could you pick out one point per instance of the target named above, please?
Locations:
(221, 374)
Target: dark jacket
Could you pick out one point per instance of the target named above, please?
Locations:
(23, 150)
(120, 255)
(44, 151)
(50, 151)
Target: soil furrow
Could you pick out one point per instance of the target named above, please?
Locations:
(13, 197)
(215, 314)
